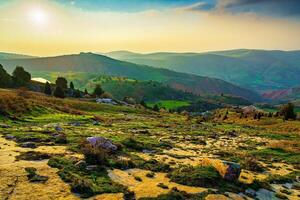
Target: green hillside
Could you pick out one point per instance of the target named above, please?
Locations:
(88, 63)
(255, 69)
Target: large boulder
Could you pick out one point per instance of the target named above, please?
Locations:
(233, 171)
(102, 142)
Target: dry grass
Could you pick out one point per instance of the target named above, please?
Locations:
(217, 164)
(21, 101)
(286, 145)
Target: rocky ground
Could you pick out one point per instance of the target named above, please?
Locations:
(151, 154)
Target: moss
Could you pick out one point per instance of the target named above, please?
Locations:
(163, 186)
(85, 182)
(196, 176)
(33, 155)
(33, 176)
(175, 194)
(150, 174)
(137, 178)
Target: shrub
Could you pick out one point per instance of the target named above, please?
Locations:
(287, 111)
(21, 77)
(59, 92)
(47, 89)
(250, 163)
(94, 155)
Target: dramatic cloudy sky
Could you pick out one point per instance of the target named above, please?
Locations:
(52, 27)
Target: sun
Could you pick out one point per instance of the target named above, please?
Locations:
(38, 16)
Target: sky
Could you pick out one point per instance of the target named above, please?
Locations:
(55, 27)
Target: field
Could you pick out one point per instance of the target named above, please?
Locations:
(169, 104)
(159, 155)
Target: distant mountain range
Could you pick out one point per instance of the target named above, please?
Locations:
(283, 95)
(259, 70)
(13, 56)
(98, 64)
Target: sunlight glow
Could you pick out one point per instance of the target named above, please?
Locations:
(38, 16)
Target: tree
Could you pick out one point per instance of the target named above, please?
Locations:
(72, 85)
(62, 83)
(48, 89)
(143, 103)
(98, 91)
(77, 94)
(21, 77)
(59, 92)
(85, 91)
(287, 111)
(156, 108)
(5, 78)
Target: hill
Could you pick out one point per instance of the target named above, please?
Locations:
(13, 56)
(256, 69)
(88, 63)
(283, 95)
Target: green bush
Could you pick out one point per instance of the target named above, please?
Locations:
(206, 176)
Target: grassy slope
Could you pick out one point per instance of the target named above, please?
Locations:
(97, 64)
(150, 130)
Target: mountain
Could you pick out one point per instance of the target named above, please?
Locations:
(284, 95)
(13, 56)
(256, 69)
(90, 63)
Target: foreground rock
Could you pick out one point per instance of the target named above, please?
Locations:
(102, 143)
(233, 171)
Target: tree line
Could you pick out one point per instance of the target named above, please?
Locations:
(61, 89)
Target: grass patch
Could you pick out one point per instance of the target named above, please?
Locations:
(86, 182)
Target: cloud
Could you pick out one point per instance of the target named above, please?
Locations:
(261, 7)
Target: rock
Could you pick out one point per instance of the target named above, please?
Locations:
(28, 145)
(81, 164)
(213, 136)
(102, 142)
(265, 194)
(250, 192)
(58, 128)
(232, 133)
(147, 151)
(233, 171)
(10, 137)
(4, 126)
(95, 123)
(75, 124)
(287, 185)
(91, 167)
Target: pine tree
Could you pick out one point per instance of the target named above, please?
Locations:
(72, 85)
(62, 83)
(59, 92)
(48, 89)
(98, 91)
(5, 78)
(77, 94)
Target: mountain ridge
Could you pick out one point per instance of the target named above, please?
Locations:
(256, 69)
(99, 64)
